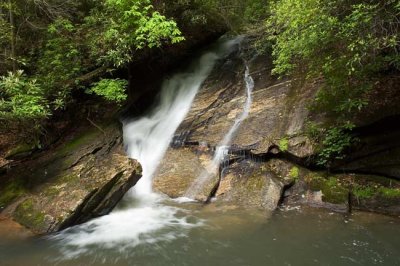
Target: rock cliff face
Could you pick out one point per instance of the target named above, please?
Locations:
(82, 179)
(271, 155)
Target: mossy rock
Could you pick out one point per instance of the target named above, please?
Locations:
(11, 191)
(80, 180)
(332, 188)
(79, 141)
(20, 151)
(28, 215)
(378, 194)
(249, 184)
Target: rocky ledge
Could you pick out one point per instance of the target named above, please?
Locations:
(271, 157)
(84, 177)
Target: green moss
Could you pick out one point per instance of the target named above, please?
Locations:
(367, 192)
(333, 191)
(294, 173)
(284, 144)
(68, 179)
(314, 181)
(27, 215)
(11, 191)
(51, 191)
(255, 182)
(389, 192)
(20, 149)
(361, 192)
(79, 141)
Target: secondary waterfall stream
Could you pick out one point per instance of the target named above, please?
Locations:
(223, 148)
(147, 139)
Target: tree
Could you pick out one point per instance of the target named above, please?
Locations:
(68, 49)
(346, 42)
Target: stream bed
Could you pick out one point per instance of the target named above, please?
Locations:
(223, 235)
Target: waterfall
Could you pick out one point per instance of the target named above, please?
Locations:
(223, 147)
(147, 219)
(148, 138)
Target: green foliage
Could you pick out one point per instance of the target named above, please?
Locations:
(283, 144)
(345, 42)
(314, 131)
(61, 45)
(23, 105)
(337, 140)
(111, 89)
(61, 58)
(21, 98)
(126, 26)
(236, 14)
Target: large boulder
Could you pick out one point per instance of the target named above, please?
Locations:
(250, 184)
(179, 170)
(83, 178)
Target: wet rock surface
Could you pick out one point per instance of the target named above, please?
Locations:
(270, 159)
(278, 110)
(83, 178)
(178, 171)
(277, 113)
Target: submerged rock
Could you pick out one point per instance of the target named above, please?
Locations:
(82, 179)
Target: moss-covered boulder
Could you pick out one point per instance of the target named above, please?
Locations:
(345, 192)
(250, 184)
(376, 194)
(84, 177)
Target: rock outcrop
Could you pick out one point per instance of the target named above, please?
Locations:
(83, 178)
(271, 155)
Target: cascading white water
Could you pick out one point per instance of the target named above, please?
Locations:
(222, 148)
(147, 140)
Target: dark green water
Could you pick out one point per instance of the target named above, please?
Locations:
(229, 236)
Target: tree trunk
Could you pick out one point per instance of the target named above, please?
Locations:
(13, 37)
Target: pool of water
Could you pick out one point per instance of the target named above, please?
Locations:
(224, 235)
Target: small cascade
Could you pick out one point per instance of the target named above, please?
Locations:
(222, 149)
